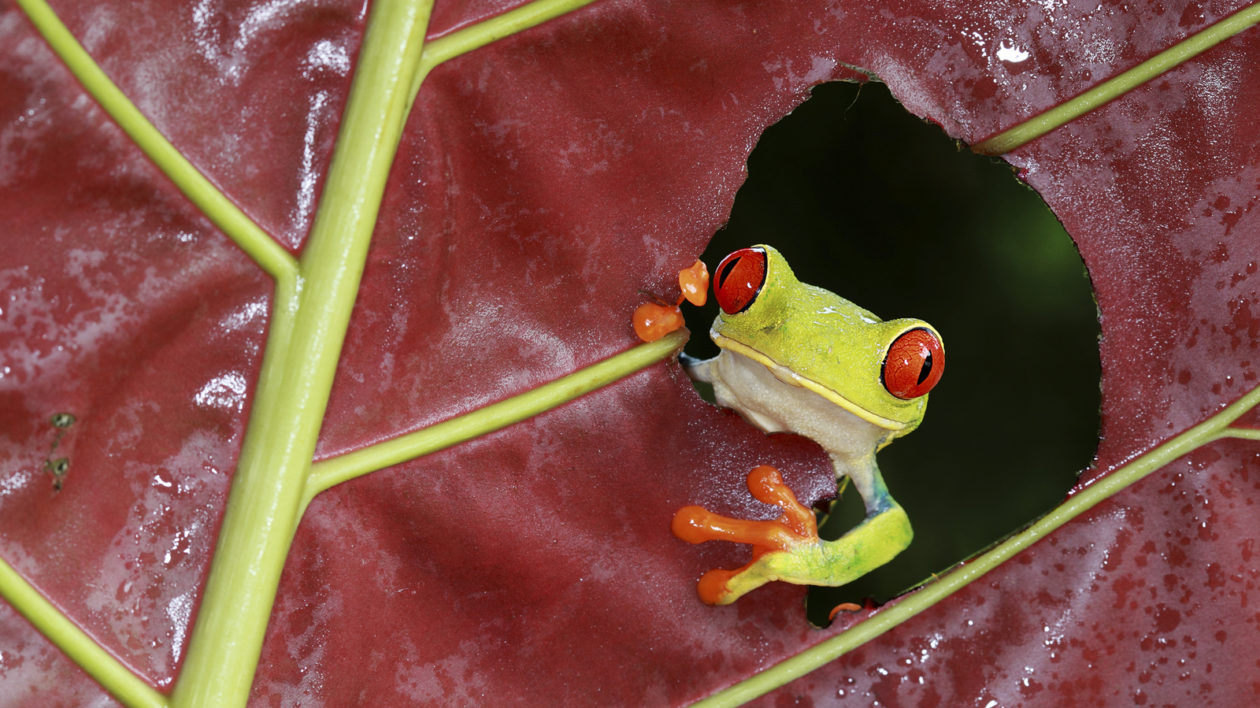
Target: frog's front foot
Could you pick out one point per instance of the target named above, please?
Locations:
(788, 548)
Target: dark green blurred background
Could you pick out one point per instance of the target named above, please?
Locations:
(871, 202)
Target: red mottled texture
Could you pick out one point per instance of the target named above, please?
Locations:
(36, 673)
(1159, 189)
(515, 569)
(1149, 598)
(124, 307)
(541, 183)
(250, 92)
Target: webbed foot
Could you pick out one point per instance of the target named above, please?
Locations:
(788, 548)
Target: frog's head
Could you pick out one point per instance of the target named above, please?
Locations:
(811, 337)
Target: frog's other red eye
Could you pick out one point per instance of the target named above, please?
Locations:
(914, 364)
(739, 279)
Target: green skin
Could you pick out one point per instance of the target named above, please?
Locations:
(804, 360)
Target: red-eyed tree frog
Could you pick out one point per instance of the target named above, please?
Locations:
(798, 358)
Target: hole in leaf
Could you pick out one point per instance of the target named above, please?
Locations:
(873, 203)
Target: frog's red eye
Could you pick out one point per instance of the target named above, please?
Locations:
(914, 364)
(739, 279)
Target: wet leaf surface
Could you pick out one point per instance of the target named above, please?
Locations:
(542, 182)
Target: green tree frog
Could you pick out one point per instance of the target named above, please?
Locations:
(798, 358)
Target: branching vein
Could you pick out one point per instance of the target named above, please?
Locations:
(493, 417)
(1214, 428)
(479, 35)
(250, 237)
(1117, 86)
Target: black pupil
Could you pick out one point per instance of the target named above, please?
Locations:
(926, 370)
(725, 272)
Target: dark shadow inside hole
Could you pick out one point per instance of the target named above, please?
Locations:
(868, 201)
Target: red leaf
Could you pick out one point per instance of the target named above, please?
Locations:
(541, 183)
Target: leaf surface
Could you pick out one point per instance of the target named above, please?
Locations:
(541, 183)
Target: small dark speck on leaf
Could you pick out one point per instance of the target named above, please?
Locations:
(58, 469)
(63, 420)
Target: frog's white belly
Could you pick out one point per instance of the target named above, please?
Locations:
(775, 405)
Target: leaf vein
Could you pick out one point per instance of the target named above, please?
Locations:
(1058, 116)
(222, 212)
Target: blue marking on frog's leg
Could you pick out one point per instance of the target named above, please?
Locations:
(864, 474)
(884, 533)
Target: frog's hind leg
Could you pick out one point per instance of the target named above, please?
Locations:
(884, 533)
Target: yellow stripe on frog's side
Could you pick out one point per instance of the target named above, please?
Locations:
(791, 377)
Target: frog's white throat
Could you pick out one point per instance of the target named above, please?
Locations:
(792, 378)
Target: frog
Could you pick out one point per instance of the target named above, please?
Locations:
(796, 358)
